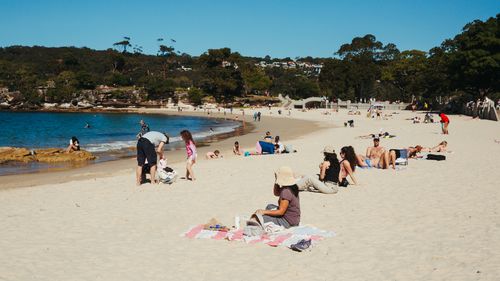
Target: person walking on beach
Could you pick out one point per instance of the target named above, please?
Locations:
(445, 121)
(258, 116)
(149, 147)
(191, 153)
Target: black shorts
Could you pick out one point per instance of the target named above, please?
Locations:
(146, 150)
(397, 151)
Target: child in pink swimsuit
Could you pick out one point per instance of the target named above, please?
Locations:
(191, 153)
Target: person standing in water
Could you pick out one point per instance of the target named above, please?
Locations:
(144, 128)
(191, 153)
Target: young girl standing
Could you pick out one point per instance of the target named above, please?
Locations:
(191, 153)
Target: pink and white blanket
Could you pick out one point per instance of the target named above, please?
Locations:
(284, 238)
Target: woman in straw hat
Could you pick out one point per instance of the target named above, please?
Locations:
(287, 213)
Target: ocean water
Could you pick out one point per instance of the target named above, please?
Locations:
(108, 132)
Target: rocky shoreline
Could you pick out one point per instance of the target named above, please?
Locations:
(47, 155)
(103, 97)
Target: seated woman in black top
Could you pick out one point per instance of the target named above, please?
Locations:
(328, 175)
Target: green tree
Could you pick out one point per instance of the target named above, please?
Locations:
(195, 96)
(474, 57)
(224, 83)
(123, 44)
(256, 80)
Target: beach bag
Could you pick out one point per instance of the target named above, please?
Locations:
(344, 183)
(436, 157)
(254, 228)
(167, 177)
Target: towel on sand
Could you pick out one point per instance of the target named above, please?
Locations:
(284, 238)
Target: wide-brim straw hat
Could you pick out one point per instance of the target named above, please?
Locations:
(284, 176)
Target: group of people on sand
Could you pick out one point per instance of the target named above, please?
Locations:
(150, 149)
(445, 121)
(333, 173)
(379, 157)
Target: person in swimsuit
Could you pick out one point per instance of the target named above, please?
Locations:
(144, 128)
(394, 154)
(236, 148)
(347, 165)
(74, 145)
(441, 147)
(191, 153)
(375, 156)
(213, 155)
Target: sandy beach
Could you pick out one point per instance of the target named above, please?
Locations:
(429, 221)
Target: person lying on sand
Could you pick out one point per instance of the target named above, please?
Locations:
(213, 155)
(394, 154)
(287, 212)
(375, 156)
(441, 147)
(385, 135)
(328, 175)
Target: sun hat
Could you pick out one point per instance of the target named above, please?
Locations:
(284, 176)
(328, 149)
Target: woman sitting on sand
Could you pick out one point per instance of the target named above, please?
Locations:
(347, 165)
(74, 145)
(287, 212)
(328, 175)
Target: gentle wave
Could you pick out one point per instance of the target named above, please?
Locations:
(117, 145)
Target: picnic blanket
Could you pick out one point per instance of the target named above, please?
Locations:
(284, 238)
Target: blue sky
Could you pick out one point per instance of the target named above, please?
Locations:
(251, 27)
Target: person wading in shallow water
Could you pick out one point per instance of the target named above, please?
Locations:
(144, 128)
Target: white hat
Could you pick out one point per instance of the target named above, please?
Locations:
(328, 149)
(284, 176)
